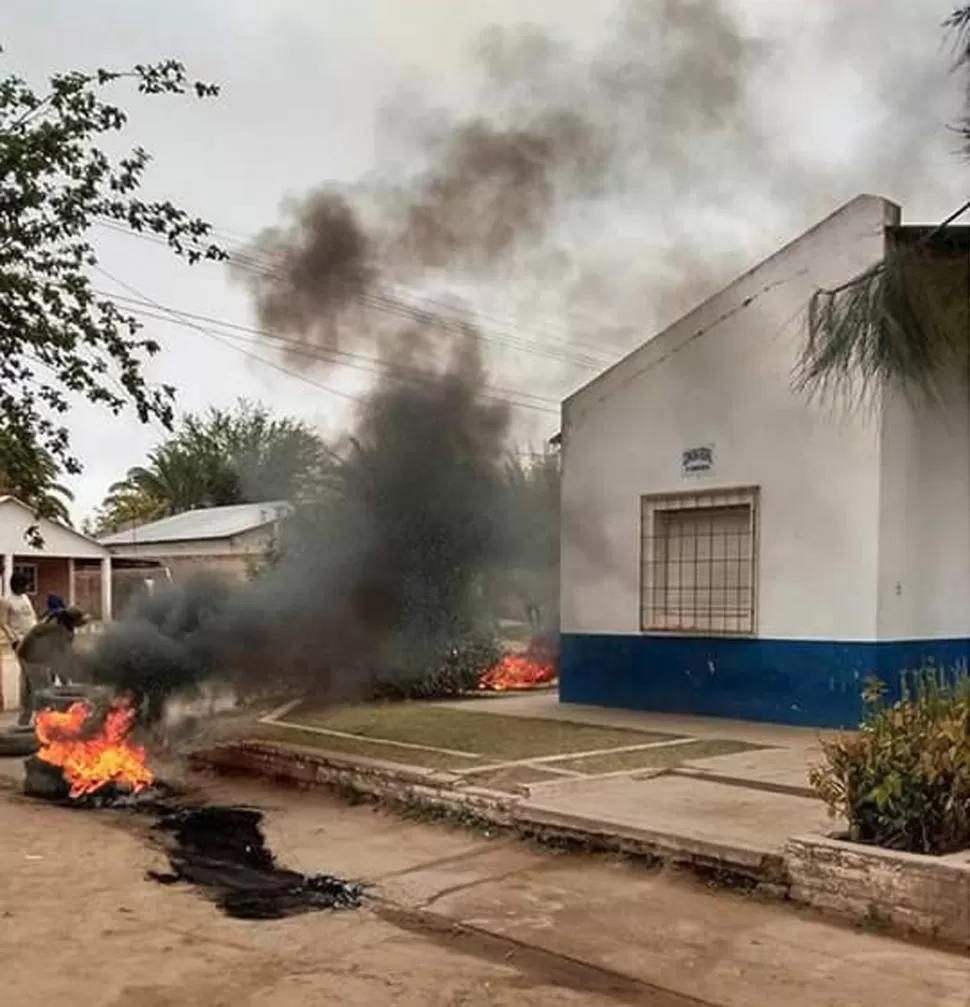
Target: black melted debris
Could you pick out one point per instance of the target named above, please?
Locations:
(219, 849)
(223, 851)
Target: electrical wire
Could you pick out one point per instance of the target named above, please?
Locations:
(296, 347)
(172, 317)
(419, 308)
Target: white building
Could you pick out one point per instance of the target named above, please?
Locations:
(732, 548)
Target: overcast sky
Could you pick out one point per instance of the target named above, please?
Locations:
(856, 101)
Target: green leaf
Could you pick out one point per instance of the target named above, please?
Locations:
(57, 336)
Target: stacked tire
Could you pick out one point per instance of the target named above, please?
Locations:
(18, 742)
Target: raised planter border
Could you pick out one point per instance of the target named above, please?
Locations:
(384, 781)
(909, 893)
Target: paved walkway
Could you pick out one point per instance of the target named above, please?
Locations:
(735, 807)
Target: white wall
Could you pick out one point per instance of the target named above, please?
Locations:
(15, 519)
(722, 375)
(924, 535)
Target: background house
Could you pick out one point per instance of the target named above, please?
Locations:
(67, 563)
(229, 541)
(730, 547)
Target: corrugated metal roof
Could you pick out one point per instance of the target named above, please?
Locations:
(207, 523)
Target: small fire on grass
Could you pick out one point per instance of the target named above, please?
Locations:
(93, 753)
(536, 666)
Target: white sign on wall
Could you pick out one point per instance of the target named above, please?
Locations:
(697, 460)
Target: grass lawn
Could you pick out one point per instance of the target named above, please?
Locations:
(489, 735)
(655, 758)
(361, 747)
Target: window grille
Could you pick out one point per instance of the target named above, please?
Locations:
(698, 557)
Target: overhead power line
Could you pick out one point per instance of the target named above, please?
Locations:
(323, 354)
(186, 320)
(420, 307)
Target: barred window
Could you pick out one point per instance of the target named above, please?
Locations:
(698, 555)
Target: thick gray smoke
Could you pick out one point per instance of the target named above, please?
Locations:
(616, 183)
(623, 179)
(382, 568)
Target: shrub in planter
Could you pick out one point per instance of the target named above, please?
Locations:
(903, 782)
(447, 674)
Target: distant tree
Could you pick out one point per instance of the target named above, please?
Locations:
(262, 457)
(531, 518)
(905, 322)
(216, 459)
(172, 480)
(44, 492)
(57, 334)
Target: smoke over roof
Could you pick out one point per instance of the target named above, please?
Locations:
(622, 180)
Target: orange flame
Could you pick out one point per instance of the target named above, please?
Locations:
(536, 666)
(91, 758)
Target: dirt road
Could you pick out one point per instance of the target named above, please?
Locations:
(80, 924)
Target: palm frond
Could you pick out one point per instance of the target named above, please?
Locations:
(903, 322)
(958, 23)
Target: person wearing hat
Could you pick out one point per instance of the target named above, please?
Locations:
(47, 652)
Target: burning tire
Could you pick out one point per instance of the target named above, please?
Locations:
(43, 780)
(18, 742)
(62, 697)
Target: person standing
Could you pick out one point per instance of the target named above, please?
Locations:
(47, 651)
(17, 619)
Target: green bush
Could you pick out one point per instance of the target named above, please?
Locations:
(455, 672)
(903, 781)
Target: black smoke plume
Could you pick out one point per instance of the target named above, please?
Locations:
(626, 178)
(383, 569)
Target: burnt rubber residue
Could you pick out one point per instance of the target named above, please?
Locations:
(222, 850)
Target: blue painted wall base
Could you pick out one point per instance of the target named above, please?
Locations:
(809, 683)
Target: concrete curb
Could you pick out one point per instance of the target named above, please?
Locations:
(689, 851)
(385, 781)
(909, 893)
(450, 794)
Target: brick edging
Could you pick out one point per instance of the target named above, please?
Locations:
(909, 893)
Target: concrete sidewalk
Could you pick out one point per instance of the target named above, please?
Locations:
(739, 810)
(735, 811)
(687, 819)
